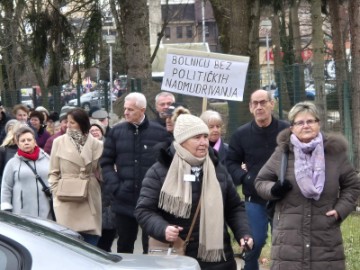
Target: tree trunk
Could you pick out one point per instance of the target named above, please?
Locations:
(278, 63)
(135, 23)
(318, 58)
(354, 19)
(241, 29)
(295, 26)
(339, 55)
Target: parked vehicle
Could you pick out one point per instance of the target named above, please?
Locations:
(25, 244)
(91, 99)
(310, 94)
(27, 101)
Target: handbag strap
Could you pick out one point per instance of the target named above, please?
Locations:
(193, 222)
(283, 166)
(45, 188)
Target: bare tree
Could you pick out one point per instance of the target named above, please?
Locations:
(354, 16)
(318, 58)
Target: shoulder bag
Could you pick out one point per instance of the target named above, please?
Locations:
(45, 189)
(73, 189)
(173, 248)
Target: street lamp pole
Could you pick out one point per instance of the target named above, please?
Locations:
(110, 40)
(266, 25)
(111, 78)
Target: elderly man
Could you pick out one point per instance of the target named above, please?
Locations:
(128, 154)
(250, 147)
(163, 101)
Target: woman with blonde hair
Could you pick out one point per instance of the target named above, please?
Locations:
(9, 147)
(215, 123)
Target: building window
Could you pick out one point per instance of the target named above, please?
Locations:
(167, 32)
(207, 34)
(189, 32)
(179, 33)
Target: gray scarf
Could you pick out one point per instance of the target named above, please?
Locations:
(176, 198)
(309, 166)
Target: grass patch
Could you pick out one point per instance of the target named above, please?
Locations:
(351, 237)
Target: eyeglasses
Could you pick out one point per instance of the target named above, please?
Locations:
(262, 103)
(302, 123)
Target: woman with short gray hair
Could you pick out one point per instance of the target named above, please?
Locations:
(21, 190)
(319, 190)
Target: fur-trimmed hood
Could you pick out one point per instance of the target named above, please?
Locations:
(333, 142)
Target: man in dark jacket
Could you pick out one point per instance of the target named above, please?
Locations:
(250, 147)
(163, 100)
(128, 154)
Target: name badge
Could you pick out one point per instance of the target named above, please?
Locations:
(189, 178)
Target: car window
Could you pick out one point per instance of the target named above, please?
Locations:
(13, 255)
(76, 245)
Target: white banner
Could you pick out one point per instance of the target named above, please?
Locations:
(202, 74)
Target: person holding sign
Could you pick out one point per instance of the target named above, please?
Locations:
(187, 175)
(250, 147)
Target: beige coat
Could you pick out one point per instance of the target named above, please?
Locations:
(66, 161)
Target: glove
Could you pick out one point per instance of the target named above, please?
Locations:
(279, 190)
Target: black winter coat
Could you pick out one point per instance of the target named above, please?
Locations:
(154, 220)
(252, 145)
(129, 148)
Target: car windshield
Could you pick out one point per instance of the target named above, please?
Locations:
(76, 245)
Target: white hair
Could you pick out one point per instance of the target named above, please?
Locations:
(139, 98)
(164, 94)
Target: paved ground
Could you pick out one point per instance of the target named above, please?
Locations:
(138, 250)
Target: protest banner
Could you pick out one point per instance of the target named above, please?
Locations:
(203, 74)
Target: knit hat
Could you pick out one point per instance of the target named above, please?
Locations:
(42, 109)
(188, 126)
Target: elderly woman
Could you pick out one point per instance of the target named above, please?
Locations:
(74, 154)
(97, 130)
(319, 191)
(21, 191)
(214, 122)
(185, 175)
(37, 122)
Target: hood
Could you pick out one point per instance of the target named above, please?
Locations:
(333, 142)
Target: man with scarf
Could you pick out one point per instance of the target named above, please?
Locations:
(188, 174)
(250, 147)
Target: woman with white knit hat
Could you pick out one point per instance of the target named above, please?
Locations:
(187, 174)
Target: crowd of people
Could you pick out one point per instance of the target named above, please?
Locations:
(170, 176)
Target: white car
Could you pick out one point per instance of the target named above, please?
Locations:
(27, 101)
(91, 99)
(25, 244)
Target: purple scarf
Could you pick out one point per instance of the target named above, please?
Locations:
(309, 166)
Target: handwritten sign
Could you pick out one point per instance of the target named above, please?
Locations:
(202, 74)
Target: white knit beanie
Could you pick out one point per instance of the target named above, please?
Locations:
(188, 126)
